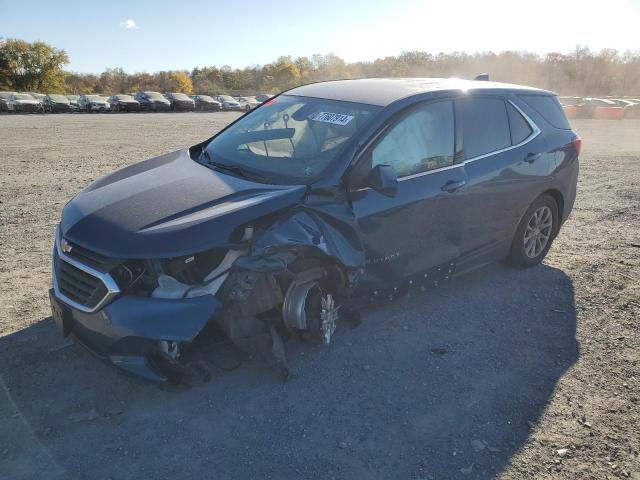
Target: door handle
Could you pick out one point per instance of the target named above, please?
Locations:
(532, 157)
(451, 186)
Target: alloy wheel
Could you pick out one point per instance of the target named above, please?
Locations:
(538, 232)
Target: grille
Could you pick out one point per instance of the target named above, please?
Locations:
(90, 258)
(78, 285)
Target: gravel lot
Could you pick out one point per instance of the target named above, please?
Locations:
(502, 373)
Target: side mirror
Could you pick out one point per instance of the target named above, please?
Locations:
(383, 179)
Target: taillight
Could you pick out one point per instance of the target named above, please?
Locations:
(577, 143)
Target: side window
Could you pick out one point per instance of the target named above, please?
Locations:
(520, 128)
(549, 107)
(422, 141)
(485, 127)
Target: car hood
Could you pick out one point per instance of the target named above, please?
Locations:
(168, 206)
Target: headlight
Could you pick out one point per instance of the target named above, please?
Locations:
(195, 275)
(200, 274)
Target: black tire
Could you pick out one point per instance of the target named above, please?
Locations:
(524, 255)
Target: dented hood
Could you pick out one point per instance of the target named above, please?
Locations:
(168, 206)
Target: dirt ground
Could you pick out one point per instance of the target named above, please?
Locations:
(500, 374)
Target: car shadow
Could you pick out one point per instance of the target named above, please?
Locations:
(448, 383)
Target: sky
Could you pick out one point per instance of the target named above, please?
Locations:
(146, 35)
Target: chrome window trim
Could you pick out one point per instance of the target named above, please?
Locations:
(435, 170)
(104, 277)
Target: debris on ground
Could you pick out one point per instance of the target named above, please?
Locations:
(440, 350)
(91, 414)
(477, 445)
(61, 346)
(467, 470)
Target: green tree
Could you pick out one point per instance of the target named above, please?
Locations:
(31, 66)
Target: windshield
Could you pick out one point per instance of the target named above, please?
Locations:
(128, 98)
(73, 98)
(154, 96)
(95, 98)
(289, 139)
(205, 98)
(5, 94)
(180, 96)
(59, 98)
(23, 96)
(227, 98)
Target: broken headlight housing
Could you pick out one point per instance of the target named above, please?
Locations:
(199, 274)
(193, 269)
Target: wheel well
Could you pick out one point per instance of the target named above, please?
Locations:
(335, 271)
(557, 196)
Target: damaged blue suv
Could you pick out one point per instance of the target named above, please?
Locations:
(322, 195)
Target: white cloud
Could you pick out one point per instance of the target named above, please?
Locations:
(129, 24)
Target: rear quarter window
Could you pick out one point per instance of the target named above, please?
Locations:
(520, 129)
(548, 106)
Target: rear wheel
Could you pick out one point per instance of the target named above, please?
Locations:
(535, 233)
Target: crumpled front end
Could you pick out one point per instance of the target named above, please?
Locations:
(283, 274)
(137, 285)
(96, 301)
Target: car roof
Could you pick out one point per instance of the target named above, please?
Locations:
(383, 91)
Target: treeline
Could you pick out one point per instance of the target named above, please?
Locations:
(583, 72)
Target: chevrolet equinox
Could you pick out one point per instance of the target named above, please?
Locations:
(325, 193)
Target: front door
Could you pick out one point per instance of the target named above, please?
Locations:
(419, 227)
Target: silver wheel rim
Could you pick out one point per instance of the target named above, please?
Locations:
(538, 232)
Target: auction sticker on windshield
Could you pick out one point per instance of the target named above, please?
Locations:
(328, 117)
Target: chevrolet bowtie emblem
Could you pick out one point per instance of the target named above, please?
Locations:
(66, 246)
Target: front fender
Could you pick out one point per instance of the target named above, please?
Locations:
(330, 231)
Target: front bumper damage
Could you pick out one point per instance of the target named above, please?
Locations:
(271, 242)
(129, 330)
(126, 332)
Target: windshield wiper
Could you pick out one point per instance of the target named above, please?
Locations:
(236, 170)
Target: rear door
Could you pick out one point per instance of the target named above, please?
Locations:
(503, 158)
(418, 228)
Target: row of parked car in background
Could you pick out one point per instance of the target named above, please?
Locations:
(610, 108)
(24, 102)
(607, 108)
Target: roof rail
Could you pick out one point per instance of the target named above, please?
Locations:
(482, 77)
